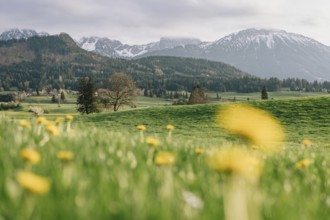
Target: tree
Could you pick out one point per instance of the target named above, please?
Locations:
(264, 94)
(86, 100)
(121, 89)
(197, 96)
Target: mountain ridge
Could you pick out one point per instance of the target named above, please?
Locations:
(262, 52)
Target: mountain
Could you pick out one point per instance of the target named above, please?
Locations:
(264, 53)
(114, 48)
(20, 34)
(40, 62)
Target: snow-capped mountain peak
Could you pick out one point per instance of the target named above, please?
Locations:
(20, 34)
(267, 37)
(114, 48)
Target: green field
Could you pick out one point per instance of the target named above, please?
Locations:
(114, 174)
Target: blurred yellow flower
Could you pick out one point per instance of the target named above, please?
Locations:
(302, 164)
(199, 151)
(69, 117)
(141, 127)
(53, 129)
(170, 127)
(25, 123)
(30, 155)
(33, 182)
(59, 120)
(164, 158)
(41, 120)
(258, 127)
(307, 143)
(65, 155)
(153, 142)
(237, 161)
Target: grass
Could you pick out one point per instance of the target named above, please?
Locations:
(113, 176)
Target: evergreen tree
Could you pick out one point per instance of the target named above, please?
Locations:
(86, 100)
(264, 94)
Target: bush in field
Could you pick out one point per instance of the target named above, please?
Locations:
(10, 105)
(37, 111)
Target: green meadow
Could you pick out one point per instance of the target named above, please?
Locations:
(116, 174)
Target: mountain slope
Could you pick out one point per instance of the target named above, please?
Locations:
(20, 34)
(114, 48)
(264, 53)
(40, 62)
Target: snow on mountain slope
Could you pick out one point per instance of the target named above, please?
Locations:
(20, 34)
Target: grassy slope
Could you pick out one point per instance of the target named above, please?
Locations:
(302, 118)
(111, 178)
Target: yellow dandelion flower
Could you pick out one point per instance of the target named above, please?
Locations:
(153, 142)
(69, 117)
(59, 120)
(307, 143)
(170, 127)
(25, 123)
(164, 158)
(237, 161)
(258, 127)
(33, 182)
(141, 127)
(65, 155)
(199, 151)
(30, 155)
(302, 164)
(53, 129)
(41, 120)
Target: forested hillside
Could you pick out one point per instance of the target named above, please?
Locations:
(52, 62)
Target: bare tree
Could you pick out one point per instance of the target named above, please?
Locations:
(120, 91)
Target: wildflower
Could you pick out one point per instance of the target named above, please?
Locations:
(41, 120)
(141, 127)
(59, 120)
(65, 155)
(24, 123)
(53, 130)
(164, 158)
(69, 117)
(30, 155)
(257, 126)
(302, 164)
(153, 142)
(170, 128)
(199, 151)
(33, 182)
(237, 161)
(307, 143)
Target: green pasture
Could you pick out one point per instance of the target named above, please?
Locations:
(113, 174)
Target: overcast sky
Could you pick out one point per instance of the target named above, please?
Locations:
(142, 21)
